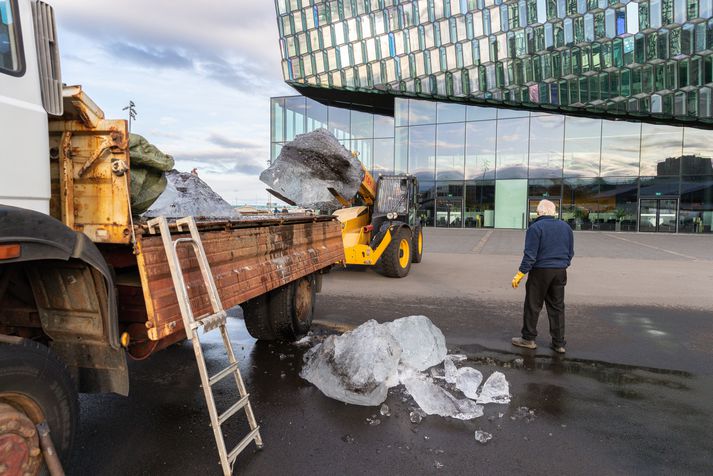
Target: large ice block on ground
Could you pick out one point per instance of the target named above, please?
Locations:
(495, 390)
(356, 367)
(422, 343)
(434, 400)
(309, 165)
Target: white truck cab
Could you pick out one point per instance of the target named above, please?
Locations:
(24, 146)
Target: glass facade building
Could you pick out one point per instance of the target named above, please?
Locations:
(603, 106)
(646, 58)
(488, 167)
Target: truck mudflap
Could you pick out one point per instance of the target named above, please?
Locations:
(247, 258)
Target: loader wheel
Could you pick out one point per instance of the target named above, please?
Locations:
(396, 260)
(417, 245)
(35, 386)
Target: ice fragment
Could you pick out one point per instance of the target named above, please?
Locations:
(436, 401)
(468, 381)
(422, 343)
(482, 437)
(415, 417)
(495, 390)
(451, 372)
(384, 410)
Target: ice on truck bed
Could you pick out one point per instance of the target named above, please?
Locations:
(309, 166)
(188, 195)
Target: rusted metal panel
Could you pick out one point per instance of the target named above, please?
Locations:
(87, 195)
(246, 262)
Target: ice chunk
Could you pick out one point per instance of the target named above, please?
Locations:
(482, 437)
(415, 417)
(436, 401)
(468, 381)
(355, 366)
(457, 357)
(384, 410)
(495, 390)
(187, 195)
(309, 166)
(423, 343)
(451, 372)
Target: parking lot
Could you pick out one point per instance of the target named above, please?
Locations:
(631, 396)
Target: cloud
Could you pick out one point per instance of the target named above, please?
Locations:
(148, 56)
(227, 142)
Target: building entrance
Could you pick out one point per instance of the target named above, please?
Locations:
(658, 215)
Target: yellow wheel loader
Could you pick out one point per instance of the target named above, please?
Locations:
(379, 219)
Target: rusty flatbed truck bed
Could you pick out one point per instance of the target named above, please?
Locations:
(249, 258)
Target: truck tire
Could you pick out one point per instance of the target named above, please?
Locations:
(281, 302)
(304, 298)
(396, 260)
(34, 380)
(256, 313)
(417, 245)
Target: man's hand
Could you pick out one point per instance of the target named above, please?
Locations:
(516, 280)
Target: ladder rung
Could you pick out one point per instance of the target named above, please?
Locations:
(222, 374)
(231, 411)
(241, 446)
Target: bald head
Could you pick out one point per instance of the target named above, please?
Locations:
(545, 207)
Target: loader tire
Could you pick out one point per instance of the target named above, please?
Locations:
(36, 382)
(417, 245)
(256, 313)
(396, 260)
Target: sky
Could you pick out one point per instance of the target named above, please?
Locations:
(200, 73)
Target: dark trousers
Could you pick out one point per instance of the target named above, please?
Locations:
(545, 285)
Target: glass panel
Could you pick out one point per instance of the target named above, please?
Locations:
(450, 151)
(621, 141)
(617, 204)
(426, 202)
(362, 124)
(477, 113)
(479, 209)
(383, 126)
(697, 152)
(401, 112)
(10, 55)
(658, 186)
(667, 215)
(661, 148)
(383, 156)
(277, 126)
(582, 146)
(696, 207)
(546, 146)
(647, 215)
(544, 188)
(580, 203)
(317, 115)
(422, 151)
(401, 150)
(512, 113)
(480, 150)
(365, 148)
(422, 112)
(294, 117)
(510, 204)
(512, 148)
(449, 205)
(339, 120)
(450, 112)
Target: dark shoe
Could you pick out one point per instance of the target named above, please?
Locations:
(558, 348)
(520, 342)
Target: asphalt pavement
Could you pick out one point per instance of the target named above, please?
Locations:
(630, 396)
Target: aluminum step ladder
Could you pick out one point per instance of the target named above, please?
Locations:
(208, 322)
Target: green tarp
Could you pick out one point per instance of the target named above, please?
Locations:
(148, 167)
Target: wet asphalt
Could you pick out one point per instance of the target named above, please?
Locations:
(631, 396)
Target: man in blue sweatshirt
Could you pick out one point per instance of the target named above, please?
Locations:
(549, 248)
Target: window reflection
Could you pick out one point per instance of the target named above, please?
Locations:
(294, 117)
(480, 149)
(658, 186)
(362, 124)
(426, 202)
(450, 151)
(479, 210)
(512, 148)
(421, 151)
(277, 131)
(696, 204)
(546, 146)
(449, 112)
(365, 149)
(383, 126)
(401, 112)
(477, 113)
(317, 115)
(582, 147)
(697, 152)
(339, 122)
(621, 141)
(421, 112)
(618, 204)
(580, 203)
(383, 156)
(661, 149)
(449, 205)
(401, 150)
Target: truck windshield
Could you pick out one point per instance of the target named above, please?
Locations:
(10, 58)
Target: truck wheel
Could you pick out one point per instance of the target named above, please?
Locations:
(37, 385)
(281, 309)
(417, 245)
(304, 297)
(256, 313)
(396, 260)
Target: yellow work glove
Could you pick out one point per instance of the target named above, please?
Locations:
(516, 280)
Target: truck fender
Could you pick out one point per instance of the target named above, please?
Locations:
(99, 363)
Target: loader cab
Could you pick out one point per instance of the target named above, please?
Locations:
(397, 199)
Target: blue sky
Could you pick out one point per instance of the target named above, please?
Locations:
(201, 75)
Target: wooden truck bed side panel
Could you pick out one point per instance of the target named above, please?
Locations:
(246, 263)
